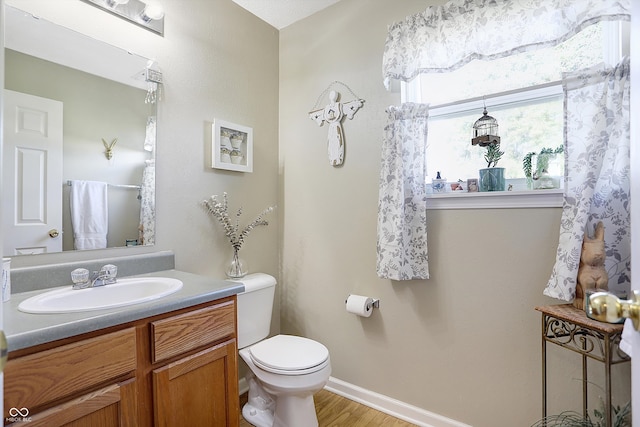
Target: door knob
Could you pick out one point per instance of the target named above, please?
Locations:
(53, 233)
(607, 307)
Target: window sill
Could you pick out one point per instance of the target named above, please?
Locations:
(496, 200)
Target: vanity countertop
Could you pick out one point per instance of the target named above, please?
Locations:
(25, 330)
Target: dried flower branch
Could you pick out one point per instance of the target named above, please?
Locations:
(220, 210)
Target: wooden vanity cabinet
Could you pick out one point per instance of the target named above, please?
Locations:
(178, 368)
(76, 383)
(198, 389)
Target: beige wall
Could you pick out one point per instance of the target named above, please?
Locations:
(464, 344)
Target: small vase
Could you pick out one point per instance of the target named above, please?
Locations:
(492, 179)
(237, 267)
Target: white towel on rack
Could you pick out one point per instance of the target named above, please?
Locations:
(89, 214)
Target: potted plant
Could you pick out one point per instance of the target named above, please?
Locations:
(492, 177)
(533, 172)
(236, 141)
(621, 417)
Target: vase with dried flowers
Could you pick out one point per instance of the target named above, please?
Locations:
(220, 210)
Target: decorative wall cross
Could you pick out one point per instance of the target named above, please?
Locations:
(334, 113)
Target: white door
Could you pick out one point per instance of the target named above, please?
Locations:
(32, 174)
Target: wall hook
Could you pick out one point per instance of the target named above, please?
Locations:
(108, 152)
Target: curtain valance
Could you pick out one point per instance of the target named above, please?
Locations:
(444, 38)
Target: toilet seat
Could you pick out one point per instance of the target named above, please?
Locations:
(289, 355)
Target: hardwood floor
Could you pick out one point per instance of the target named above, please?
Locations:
(337, 411)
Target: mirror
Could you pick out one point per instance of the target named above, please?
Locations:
(96, 97)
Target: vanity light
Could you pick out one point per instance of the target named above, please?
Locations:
(152, 12)
(147, 14)
(115, 3)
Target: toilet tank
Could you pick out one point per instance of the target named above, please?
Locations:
(255, 306)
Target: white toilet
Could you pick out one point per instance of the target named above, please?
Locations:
(286, 371)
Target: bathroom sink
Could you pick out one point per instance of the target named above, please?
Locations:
(126, 291)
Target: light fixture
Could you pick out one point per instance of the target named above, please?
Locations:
(485, 130)
(115, 3)
(152, 12)
(146, 14)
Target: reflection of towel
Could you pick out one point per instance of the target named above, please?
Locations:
(89, 215)
(625, 341)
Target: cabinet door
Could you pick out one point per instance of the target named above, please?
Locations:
(199, 390)
(44, 378)
(111, 406)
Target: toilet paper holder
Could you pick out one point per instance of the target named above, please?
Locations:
(374, 304)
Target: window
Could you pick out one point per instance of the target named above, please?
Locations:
(523, 92)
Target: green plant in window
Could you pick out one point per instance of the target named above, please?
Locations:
(493, 155)
(543, 160)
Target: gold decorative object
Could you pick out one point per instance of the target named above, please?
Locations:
(607, 307)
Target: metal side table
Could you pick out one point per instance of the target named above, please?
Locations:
(568, 327)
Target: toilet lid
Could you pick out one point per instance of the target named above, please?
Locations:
(289, 355)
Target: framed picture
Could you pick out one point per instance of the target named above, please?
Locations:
(232, 146)
(472, 185)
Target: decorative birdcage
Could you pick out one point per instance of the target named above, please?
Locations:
(485, 130)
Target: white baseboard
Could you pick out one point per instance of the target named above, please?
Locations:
(388, 405)
(382, 403)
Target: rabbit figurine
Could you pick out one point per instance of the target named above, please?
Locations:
(591, 272)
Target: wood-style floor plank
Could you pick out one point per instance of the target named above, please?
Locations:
(337, 411)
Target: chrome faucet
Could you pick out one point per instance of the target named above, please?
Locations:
(82, 279)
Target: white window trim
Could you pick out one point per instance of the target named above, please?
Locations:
(509, 98)
(497, 200)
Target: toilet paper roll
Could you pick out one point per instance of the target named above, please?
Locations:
(360, 305)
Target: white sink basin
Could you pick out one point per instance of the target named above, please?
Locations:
(126, 291)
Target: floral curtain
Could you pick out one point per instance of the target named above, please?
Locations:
(402, 212)
(444, 38)
(597, 143)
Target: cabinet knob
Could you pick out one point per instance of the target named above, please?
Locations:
(53, 233)
(608, 308)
